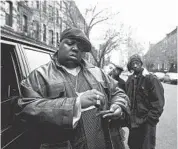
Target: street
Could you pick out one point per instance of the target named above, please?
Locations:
(167, 127)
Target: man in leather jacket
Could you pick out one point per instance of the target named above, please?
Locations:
(72, 103)
(146, 94)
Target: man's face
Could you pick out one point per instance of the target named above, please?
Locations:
(110, 69)
(70, 51)
(136, 66)
(117, 71)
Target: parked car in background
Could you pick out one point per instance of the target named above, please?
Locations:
(160, 75)
(171, 77)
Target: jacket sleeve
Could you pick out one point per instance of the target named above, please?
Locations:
(157, 101)
(117, 95)
(35, 108)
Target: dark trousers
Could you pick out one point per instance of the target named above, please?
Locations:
(143, 137)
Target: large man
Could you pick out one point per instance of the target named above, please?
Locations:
(73, 103)
(146, 94)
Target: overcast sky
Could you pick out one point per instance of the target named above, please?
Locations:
(150, 20)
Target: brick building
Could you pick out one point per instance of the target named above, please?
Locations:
(39, 21)
(162, 56)
(36, 21)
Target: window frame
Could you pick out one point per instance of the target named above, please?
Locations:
(44, 32)
(9, 15)
(18, 54)
(25, 23)
(33, 49)
(51, 34)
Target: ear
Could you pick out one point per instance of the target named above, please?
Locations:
(83, 54)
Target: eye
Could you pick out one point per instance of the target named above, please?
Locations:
(70, 42)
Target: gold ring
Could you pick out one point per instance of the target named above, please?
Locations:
(98, 102)
(97, 97)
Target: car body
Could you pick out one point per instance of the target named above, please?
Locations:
(160, 75)
(171, 77)
(18, 58)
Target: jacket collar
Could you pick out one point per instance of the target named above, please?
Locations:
(84, 64)
(145, 72)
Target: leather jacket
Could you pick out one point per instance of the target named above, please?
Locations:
(48, 99)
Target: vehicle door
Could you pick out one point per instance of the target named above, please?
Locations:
(17, 61)
(13, 131)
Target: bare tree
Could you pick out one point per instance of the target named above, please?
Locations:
(71, 16)
(134, 47)
(113, 40)
(96, 17)
(91, 18)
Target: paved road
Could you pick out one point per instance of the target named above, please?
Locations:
(167, 127)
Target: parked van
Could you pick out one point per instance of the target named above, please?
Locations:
(18, 59)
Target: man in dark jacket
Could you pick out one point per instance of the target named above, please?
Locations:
(146, 94)
(71, 102)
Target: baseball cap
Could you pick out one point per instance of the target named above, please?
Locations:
(75, 33)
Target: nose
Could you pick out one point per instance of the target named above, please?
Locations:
(135, 65)
(75, 47)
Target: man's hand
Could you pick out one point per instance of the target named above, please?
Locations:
(90, 97)
(115, 112)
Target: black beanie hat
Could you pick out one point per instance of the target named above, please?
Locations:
(133, 58)
(78, 34)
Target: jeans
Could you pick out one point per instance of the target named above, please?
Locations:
(143, 137)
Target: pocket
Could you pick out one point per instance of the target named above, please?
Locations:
(143, 92)
(142, 110)
(142, 107)
(55, 90)
(144, 96)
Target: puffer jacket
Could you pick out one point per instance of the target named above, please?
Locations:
(146, 94)
(48, 100)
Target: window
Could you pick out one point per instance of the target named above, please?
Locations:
(36, 58)
(36, 30)
(24, 23)
(37, 4)
(57, 38)
(57, 16)
(8, 13)
(50, 13)
(32, 3)
(44, 32)
(26, 3)
(51, 41)
(44, 6)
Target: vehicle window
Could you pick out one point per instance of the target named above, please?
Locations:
(9, 82)
(36, 58)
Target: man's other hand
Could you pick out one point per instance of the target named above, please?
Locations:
(115, 112)
(90, 97)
